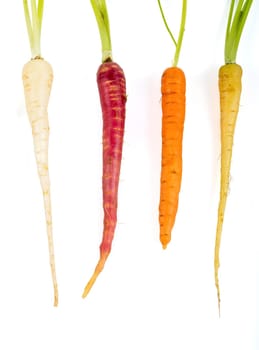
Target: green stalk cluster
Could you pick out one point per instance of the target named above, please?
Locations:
(33, 19)
(178, 43)
(102, 18)
(236, 21)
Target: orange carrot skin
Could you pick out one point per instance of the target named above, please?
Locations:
(173, 87)
(112, 90)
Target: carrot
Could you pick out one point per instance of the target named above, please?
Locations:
(230, 87)
(37, 79)
(112, 91)
(173, 88)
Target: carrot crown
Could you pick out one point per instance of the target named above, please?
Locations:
(102, 18)
(236, 21)
(178, 43)
(33, 19)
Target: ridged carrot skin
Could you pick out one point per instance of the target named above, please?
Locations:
(173, 86)
(112, 90)
(230, 87)
(37, 79)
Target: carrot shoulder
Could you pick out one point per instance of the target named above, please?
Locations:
(230, 90)
(112, 90)
(37, 79)
(173, 87)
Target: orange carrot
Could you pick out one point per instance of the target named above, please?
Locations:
(173, 115)
(37, 79)
(173, 110)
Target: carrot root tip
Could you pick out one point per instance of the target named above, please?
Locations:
(98, 269)
(164, 241)
(56, 300)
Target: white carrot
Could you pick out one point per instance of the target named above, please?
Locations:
(37, 79)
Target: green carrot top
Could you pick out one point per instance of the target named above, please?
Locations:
(236, 21)
(33, 19)
(102, 18)
(178, 43)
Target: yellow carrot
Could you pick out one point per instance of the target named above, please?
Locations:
(230, 91)
(230, 87)
(37, 76)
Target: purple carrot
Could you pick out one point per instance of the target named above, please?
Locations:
(112, 90)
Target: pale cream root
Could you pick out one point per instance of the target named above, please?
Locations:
(37, 80)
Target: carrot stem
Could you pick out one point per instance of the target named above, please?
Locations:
(236, 21)
(178, 43)
(102, 18)
(33, 18)
(40, 13)
(165, 22)
(181, 32)
(28, 21)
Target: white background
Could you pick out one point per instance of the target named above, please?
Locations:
(145, 297)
